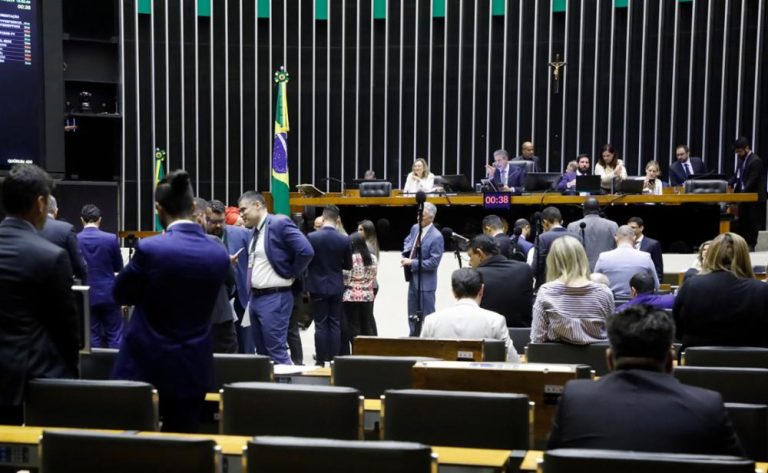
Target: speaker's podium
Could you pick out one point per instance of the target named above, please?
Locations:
(543, 383)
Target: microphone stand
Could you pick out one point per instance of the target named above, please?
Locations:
(333, 179)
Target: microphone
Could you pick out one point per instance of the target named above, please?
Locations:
(334, 179)
(421, 197)
(582, 225)
(449, 233)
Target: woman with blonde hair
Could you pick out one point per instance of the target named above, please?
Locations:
(724, 305)
(569, 307)
(419, 179)
(652, 184)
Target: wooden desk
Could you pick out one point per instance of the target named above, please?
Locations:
(443, 349)
(543, 384)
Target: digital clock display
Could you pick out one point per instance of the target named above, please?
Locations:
(496, 200)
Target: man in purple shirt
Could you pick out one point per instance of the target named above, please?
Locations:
(641, 288)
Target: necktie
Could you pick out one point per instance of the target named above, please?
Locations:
(251, 255)
(504, 177)
(688, 169)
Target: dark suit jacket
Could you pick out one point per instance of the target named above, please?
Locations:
(642, 410)
(288, 250)
(677, 174)
(754, 177)
(722, 310)
(515, 177)
(173, 281)
(542, 250)
(222, 310)
(39, 324)
(503, 241)
(332, 255)
(236, 238)
(101, 252)
(649, 245)
(63, 235)
(508, 289)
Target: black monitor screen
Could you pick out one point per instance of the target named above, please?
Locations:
(21, 83)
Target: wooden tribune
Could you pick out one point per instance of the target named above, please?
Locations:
(543, 383)
(444, 349)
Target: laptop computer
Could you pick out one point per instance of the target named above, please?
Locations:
(590, 184)
(541, 181)
(632, 186)
(487, 185)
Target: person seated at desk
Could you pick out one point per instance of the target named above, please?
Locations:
(507, 177)
(684, 166)
(725, 305)
(466, 319)
(568, 181)
(639, 406)
(419, 179)
(652, 184)
(609, 167)
(642, 291)
(569, 307)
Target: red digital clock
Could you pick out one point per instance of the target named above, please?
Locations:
(496, 200)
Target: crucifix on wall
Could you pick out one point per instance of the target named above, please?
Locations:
(556, 65)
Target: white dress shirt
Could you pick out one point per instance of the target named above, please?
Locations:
(263, 276)
(466, 319)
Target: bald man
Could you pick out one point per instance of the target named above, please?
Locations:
(526, 154)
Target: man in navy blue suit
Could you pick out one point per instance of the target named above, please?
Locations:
(505, 176)
(63, 235)
(432, 247)
(278, 253)
(173, 281)
(325, 283)
(101, 251)
(236, 240)
(647, 244)
(684, 166)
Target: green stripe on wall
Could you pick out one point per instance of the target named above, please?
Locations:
(263, 9)
(498, 7)
(559, 6)
(145, 7)
(321, 10)
(379, 9)
(438, 8)
(621, 3)
(203, 7)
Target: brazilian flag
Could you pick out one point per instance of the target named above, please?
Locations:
(280, 188)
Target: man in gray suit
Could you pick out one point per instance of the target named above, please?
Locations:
(624, 262)
(598, 233)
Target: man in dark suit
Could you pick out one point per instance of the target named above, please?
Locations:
(432, 247)
(749, 176)
(101, 251)
(552, 224)
(223, 318)
(507, 177)
(508, 284)
(38, 319)
(527, 155)
(172, 281)
(493, 227)
(649, 245)
(278, 254)
(680, 170)
(236, 240)
(63, 235)
(325, 283)
(639, 406)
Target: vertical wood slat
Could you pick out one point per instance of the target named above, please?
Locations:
(594, 87)
(705, 114)
(564, 92)
(550, 58)
(690, 73)
(609, 116)
(641, 107)
(674, 78)
(758, 61)
(445, 82)
(579, 91)
(721, 144)
(657, 94)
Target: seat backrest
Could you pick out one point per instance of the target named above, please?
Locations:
(457, 418)
(312, 455)
(295, 410)
(747, 385)
(97, 363)
(90, 452)
(375, 189)
(526, 164)
(372, 375)
(705, 186)
(735, 357)
(494, 350)
(573, 460)
(750, 421)
(521, 337)
(91, 404)
(592, 355)
(237, 368)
